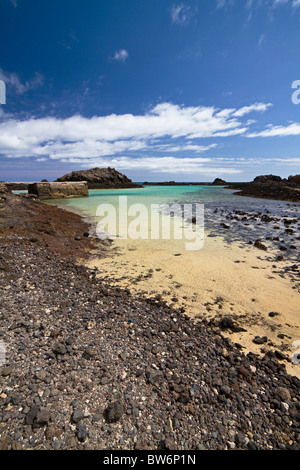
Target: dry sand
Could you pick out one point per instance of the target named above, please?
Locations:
(217, 280)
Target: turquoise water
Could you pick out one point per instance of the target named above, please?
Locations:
(212, 197)
(147, 195)
(219, 203)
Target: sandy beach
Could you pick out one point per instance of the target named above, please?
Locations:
(217, 281)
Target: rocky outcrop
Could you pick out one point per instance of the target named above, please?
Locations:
(270, 187)
(58, 190)
(267, 179)
(294, 181)
(219, 182)
(100, 178)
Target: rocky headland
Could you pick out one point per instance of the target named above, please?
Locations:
(270, 187)
(89, 366)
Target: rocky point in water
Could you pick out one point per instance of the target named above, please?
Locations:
(270, 187)
(100, 178)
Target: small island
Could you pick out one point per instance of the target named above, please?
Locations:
(100, 178)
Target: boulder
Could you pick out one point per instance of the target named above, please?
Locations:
(59, 190)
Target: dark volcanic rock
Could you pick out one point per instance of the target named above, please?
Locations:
(258, 244)
(270, 187)
(267, 179)
(42, 224)
(114, 411)
(219, 181)
(100, 178)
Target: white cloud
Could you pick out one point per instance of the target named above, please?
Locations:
(278, 131)
(257, 107)
(165, 127)
(121, 55)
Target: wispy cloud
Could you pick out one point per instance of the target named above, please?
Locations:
(278, 131)
(250, 4)
(181, 14)
(12, 80)
(69, 41)
(121, 55)
(224, 3)
(257, 107)
(14, 3)
(261, 39)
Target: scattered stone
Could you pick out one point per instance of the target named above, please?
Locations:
(273, 314)
(81, 432)
(114, 411)
(32, 414)
(59, 349)
(260, 340)
(258, 244)
(77, 416)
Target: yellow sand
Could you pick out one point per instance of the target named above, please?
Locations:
(247, 290)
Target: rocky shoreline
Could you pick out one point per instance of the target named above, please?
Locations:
(89, 366)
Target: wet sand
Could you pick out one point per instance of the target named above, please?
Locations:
(218, 280)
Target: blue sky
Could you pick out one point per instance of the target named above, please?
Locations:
(157, 89)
